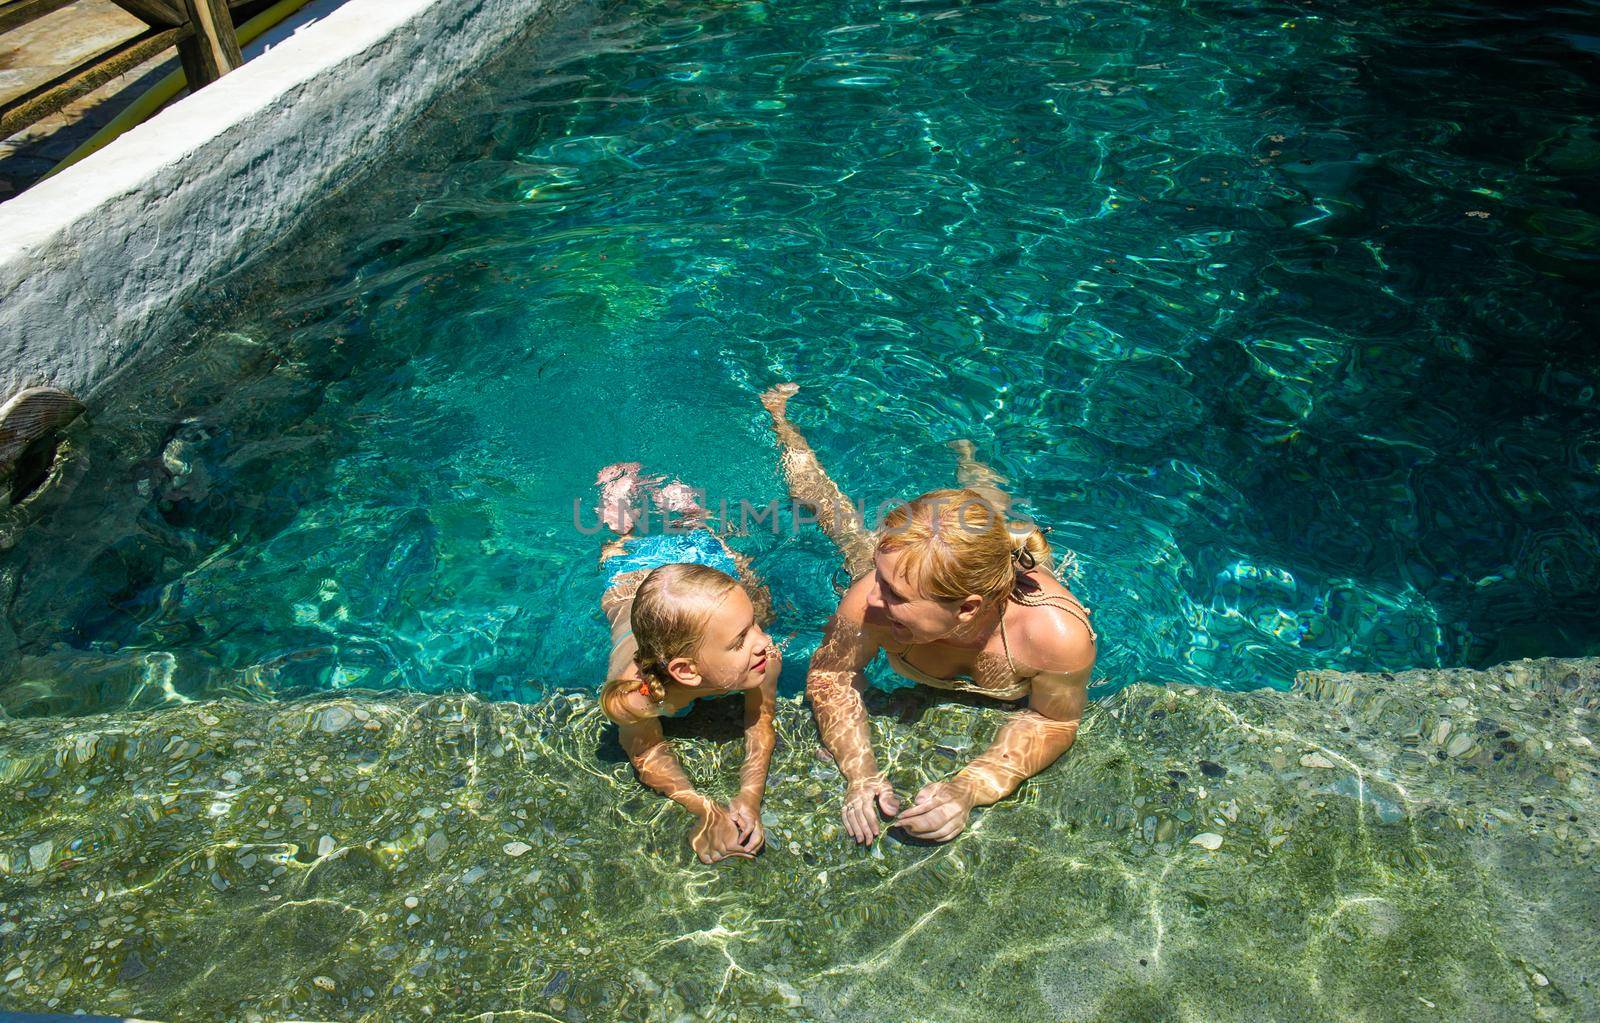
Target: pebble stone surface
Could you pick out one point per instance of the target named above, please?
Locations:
(1378, 847)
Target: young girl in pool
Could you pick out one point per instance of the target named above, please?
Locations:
(684, 629)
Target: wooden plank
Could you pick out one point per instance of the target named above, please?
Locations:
(156, 13)
(16, 13)
(213, 50)
(40, 102)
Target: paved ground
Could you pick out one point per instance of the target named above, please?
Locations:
(40, 50)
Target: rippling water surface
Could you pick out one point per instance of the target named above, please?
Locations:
(1277, 312)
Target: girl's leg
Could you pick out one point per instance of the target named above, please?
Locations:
(611, 548)
(622, 490)
(811, 485)
(974, 475)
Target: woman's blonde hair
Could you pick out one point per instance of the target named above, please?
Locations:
(671, 610)
(953, 542)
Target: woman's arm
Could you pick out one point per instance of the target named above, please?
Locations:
(834, 683)
(1030, 741)
(1026, 744)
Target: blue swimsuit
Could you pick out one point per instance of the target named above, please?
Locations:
(695, 547)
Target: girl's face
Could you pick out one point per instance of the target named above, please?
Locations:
(913, 617)
(735, 652)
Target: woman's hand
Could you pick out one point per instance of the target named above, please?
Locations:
(746, 815)
(939, 813)
(862, 801)
(716, 836)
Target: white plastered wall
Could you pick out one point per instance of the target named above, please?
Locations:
(96, 262)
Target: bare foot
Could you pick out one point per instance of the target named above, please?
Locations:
(776, 399)
(617, 470)
(677, 496)
(621, 488)
(972, 471)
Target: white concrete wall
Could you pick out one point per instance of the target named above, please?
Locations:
(96, 262)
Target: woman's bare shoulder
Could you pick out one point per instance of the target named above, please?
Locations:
(1053, 637)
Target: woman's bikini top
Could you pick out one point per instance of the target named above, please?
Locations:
(1020, 687)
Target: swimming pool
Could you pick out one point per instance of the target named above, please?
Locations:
(1238, 299)
(1277, 313)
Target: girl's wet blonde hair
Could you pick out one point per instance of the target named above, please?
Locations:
(954, 543)
(671, 610)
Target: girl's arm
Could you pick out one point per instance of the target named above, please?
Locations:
(760, 737)
(715, 835)
(760, 707)
(653, 758)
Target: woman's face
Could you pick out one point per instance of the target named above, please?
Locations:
(735, 652)
(913, 617)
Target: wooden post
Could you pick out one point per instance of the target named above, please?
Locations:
(213, 50)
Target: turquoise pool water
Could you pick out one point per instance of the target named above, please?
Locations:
(1278, 313)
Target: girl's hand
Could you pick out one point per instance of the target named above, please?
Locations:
(862, 801)
(746, 816)
(939, 813)
(716, 836)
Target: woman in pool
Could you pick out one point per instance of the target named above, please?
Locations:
(958, 598)
(683, 629)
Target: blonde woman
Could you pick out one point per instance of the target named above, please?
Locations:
(684, 629)
(957, 598)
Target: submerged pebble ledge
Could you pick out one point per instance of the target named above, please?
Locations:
(1411, 846)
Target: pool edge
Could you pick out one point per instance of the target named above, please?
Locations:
(99, 261)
